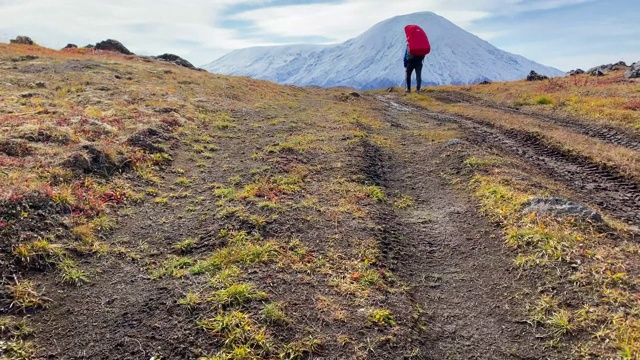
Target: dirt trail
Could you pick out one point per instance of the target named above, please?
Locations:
(598, 184)
(460, 276)
(609, 134)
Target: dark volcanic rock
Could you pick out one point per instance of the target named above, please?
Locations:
(175, 59)
(605, 69)
(23, 40)
(90, 46)
(534, 76)
(576, 72)
(24, 58)
(633, 72)
(620, 65)
(113, 45)
(71, 46)
(561, 207)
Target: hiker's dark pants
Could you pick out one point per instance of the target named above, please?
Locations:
(417, 66)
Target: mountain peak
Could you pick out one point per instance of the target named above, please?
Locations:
(374, 59)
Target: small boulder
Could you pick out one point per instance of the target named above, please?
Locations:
(562, 208)
(24, 58)
(175, 59)
(576, 72)
(534, 76)
(22, 40)
(453, 142)
(28, 94)
(486, 82)
(70, 46)
(619, 66)
(633, 72)
(90, 46)
(113, 45)
(605, 69)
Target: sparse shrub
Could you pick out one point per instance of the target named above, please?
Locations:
(376, 193)
(225, 277)
(71, 274)
(301, 348)
(183, 181)
(185, 245)
(174, 266)
(85, 233)
(162, 200)
(191, 300)
(17, 350)
(543, 100)
(24, 295)
(560, 322)
(237, 294)
(272, 313)
(381, 317)
(223, 125)
(475, 161)
(403, 202)
(103, 223)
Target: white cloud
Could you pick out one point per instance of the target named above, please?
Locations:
(193, 29)
(341, 21)
(145, 26)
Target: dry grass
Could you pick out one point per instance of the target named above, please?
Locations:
(599, 313)
(610, 100)
(601, 152)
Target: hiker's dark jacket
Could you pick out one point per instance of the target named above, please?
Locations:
(408, 57)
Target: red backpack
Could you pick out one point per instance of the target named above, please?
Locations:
(417, 40)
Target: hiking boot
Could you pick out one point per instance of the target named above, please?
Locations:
(417, 91)
(407, 91)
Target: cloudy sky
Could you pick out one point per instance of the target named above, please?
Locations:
(561, 33)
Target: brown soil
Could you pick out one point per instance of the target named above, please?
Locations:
(460, 277)
(458, 282)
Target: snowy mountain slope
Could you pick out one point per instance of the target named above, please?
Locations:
(374, 59)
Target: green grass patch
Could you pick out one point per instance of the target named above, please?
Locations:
(543, 100)
(237, 295)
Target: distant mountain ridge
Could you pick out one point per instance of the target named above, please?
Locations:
(374, 59)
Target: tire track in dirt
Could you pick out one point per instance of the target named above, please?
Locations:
(599, 184)
(605, 133)
(457, 275)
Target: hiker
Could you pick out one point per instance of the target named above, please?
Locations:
(411, 63)
(417, 48)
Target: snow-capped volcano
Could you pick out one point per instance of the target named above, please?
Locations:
(374, 59)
